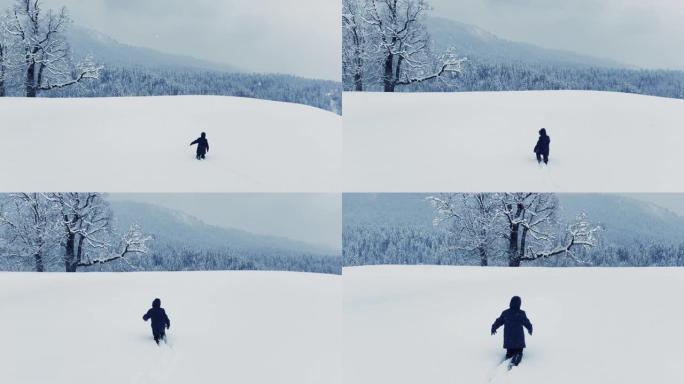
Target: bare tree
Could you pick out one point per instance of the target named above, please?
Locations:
(5, 42)
(404, 44)
(473, 219)
(31, 228)
(580, 233)
(88, 237)
(47, 60)
(354, 35)
(524, 226)
(532, 220)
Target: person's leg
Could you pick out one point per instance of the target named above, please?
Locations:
(517, 357)
(509, 353)
(539, 158)
(156, 337)
(546, 158)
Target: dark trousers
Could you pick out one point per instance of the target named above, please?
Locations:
(515, 354)
(200, 155)
(545, 156)
(158, 335)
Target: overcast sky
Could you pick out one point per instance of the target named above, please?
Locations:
(643, 33)
(301, 37)
(312, 218)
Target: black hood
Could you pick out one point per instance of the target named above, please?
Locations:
(542, 132)
(156, 303)
(515, 302)
(203, 135)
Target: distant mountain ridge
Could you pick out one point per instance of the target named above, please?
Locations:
(105, 49)
(481, 45)
(174, 227)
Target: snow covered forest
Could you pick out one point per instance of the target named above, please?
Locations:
(39, 56)
(395, 46)
(511, 229)
(140, 81)
(84, 232)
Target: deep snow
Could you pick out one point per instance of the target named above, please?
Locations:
(141, 144)
(430, 324)
(226, 327)
(483, 141)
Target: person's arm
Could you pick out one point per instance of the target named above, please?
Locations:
(194, 142)
(167, 320)
(497, 323)
(207, 145)
(527, 324)
(146, 316)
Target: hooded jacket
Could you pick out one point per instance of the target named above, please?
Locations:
(158, 315)
(202, 144)
(513, 320)
(543, 142)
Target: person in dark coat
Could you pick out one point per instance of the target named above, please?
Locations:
(202, 146)
(542, 147)
(513, 320)
(160, 321)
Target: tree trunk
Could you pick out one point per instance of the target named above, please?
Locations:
(30, 82)
(388, 77)
(3, 69)
(513, 256)
(38, 257)
(358, 82)
(483, 256)
(523, 240)
(69, 256)
(513, 250)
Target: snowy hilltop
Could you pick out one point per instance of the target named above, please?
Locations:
(484, 141)
(141, 144)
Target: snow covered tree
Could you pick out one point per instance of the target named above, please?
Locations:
(5, 43)
(354, 35)
(532, 220)
(45, 52)
(472, 219)
(88, 236)
(401, 39)
(30, 227)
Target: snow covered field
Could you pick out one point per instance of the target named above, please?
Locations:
(430, 324)
(483, 141)
(142, 145)
(226, 327)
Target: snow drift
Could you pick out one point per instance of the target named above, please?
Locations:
(141, 144)
(430, 324)
(483, 141)
(241, 327)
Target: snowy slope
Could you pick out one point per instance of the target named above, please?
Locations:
(239, 327)
(423, 324)
(483, 141)
(142, 145)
